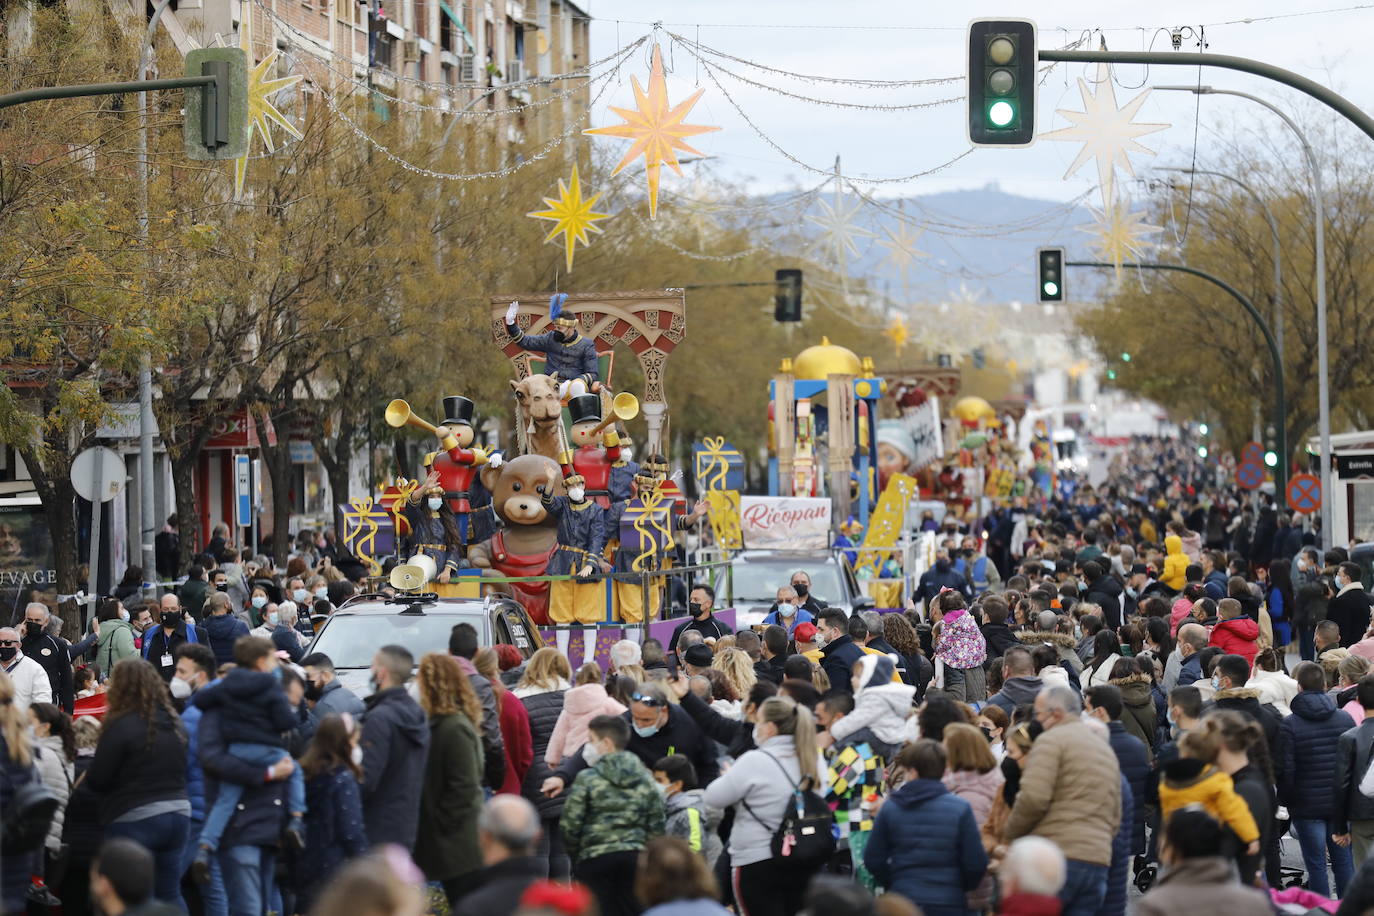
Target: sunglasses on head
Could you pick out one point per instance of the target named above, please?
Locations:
(647, 700)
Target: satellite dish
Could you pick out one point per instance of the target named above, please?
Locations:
(414, 573)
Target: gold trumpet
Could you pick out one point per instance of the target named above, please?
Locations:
(398, 414)
(624, 407)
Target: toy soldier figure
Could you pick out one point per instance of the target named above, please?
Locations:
(434, 527)
(588, 460)
(568, 356)
(456, 466)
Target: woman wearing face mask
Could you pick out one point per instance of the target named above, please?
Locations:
(116, 635)
(256, 602)
(1018, 745)
(334, 831)
(434, 527)
(451, 795)
(786, 756)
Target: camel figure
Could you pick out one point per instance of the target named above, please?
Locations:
(541, 413)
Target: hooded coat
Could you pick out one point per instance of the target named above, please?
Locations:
(613, 806)
(961, 643)
(1105, 592)
(395, 743)
(1203, 885)
(581, 705)
(221, 631)
(925, 845)
(691, 819)
(1237, 636)
(880, 705)
(1275, 689)
(1175, 574)
(1063, 643)
(1017, 691)
(1309, 739)
(116, 644)
(544, 707)
(1138, 713)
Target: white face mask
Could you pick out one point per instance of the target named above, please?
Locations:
(435, 502)
(123, 615)
(180, 689)
(259, 601)
(592, 754)
(321, 593)
(300, 595)
(786, 610)
(273, 618)
(356, 755)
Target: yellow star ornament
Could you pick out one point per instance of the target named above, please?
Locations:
(1120, 234)
(658, 130)
(572, 216)
(898, 333)
(261, 111)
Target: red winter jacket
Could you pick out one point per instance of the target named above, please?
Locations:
(1237, 636)
(1030, 905)
(515, 734)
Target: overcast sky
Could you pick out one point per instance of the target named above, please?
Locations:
(912, 40)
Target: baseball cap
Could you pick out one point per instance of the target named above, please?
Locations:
(698, 656)
(805, 632)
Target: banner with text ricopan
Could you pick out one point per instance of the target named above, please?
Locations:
(785, 523)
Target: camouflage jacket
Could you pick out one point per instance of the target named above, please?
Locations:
(612, 807)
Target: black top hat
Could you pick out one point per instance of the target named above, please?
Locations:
(457, 411)
(585, 407)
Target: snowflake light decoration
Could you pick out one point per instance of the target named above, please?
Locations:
(902, 252)
(572, 216)
(839, 233)
(1107, 131)
(1119, 233)
(658, 130)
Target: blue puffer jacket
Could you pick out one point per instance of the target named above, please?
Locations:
(925, 845)
(261, 813)
(1308, 738)
(220, 632)
(1135, 766)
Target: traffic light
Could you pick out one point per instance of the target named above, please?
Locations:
(216, 124)
(1050, 274)
(1001, 82)
(787, 298)
(1125, 357)
(1202, 451)
(1271, 447)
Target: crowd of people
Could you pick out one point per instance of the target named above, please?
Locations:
(1103, 711)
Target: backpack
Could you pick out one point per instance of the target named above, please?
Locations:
(805, 837)
(29, 815)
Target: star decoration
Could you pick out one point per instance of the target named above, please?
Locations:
(1120, 233)
(838, 231)
(898, 333)
(658, 130)
(572, 216)
(902, 252)
(1108, 132)
(261, 111)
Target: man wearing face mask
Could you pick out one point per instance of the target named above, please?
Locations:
(839, 652)
(1350, 607)
(657, 729)
(52, 652)
(395, 743)
(161, 643)
(324, 692)
(786, 612)
(195, 671)
(703, 599)
(801, 585)
(30, 680)
(568, 356)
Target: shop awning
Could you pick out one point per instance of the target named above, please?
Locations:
(457, 20)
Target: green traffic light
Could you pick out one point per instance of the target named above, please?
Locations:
(1271, 459)
(1001, 113)
(1202, 451)
(1111, 373)
(1202, 429)
(1125, 357)
(1051, 288)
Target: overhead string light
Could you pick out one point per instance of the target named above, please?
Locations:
(543, 152)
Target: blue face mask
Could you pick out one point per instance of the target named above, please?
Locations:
(272, 618)
(259, 601)
(648, 731)
(435, 502)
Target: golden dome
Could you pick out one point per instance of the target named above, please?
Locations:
(826, 359)
(973, 408)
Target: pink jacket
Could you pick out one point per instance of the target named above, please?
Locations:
(1179, 613)
(980, 790)
(581, 705)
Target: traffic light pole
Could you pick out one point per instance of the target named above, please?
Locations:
(1280, 399)
(210, 82)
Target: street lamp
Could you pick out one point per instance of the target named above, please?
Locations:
(1276, 296)
(1323, 385)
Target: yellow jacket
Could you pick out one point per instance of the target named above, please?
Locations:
(1212, 789)
(1175, 574)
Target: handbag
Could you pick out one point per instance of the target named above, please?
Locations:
(30, 814)
(805, 837)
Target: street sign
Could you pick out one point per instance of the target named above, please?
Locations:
(1252, 453)
(1249, 475)
(1304, 493)
(98, 470)
(1354, 467)
(243, 491)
